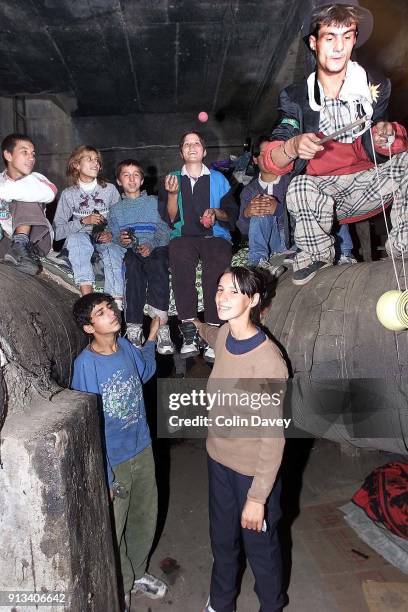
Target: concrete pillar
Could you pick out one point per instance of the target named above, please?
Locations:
(54, 526)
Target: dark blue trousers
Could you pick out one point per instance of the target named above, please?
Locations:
(146, 282)
(227, 496)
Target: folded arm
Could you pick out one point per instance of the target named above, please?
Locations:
(32, 188)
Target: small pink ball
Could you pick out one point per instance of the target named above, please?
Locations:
(206, 221)
(203, 117)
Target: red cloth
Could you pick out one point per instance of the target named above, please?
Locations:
(384, 497)
(338, 157)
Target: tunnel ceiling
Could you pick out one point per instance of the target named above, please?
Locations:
(127, 56)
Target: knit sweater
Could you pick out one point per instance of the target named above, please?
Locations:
(75, 204)
(260, 455)
(140, 215)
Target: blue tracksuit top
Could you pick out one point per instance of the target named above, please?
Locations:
(117, 380)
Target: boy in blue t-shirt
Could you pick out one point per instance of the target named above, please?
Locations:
(115, 370)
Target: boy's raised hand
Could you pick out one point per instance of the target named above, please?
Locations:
(305, 146)
(171, 184)
(154, 328)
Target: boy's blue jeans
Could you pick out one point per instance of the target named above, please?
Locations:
(343, 243)
(135, 515)
(80, 251)
(264, 238)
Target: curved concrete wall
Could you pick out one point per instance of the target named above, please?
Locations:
(38, 337)
(343, 360)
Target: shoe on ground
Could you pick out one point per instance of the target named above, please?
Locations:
(24, 258)
(134, 333)
(304, 275)
(275, 270)
(191, 341)
(398, 254)
(345, 260)
(59, 259)
(164, 343)
(209, 354)
(289, 257)
(208, 607)
(149, 585)
(63, 259)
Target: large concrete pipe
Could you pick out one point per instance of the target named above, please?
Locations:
(55, 533)
(349, 372)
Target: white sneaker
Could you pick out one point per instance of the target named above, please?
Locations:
(191, 343)
(346, 260)
(208, 607)
(209, 354)
(289, 256)
(275, 270)
(134, 333)
(164, 343)
(149, 585)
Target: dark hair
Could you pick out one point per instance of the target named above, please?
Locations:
(257, 144)
(128, 162)
(83, 307)
(72, 170)
(337, 14)
(10, 141)
(199, 136)
(249, 281)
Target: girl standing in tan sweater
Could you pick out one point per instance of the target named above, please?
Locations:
(244, 460)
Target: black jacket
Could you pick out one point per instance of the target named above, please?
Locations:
(296, 116)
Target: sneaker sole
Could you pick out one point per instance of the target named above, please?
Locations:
(168, 351)
(193, 353)
(304, 281)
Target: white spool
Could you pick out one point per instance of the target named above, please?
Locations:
(392, 310)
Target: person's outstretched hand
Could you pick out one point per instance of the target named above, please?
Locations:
(154, 328)
(171, 183)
